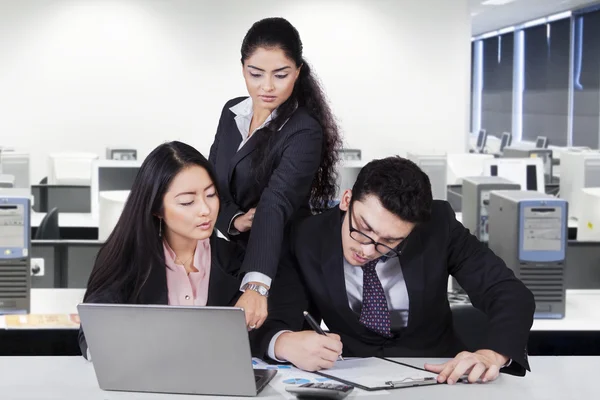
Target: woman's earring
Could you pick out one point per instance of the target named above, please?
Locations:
(160, 227)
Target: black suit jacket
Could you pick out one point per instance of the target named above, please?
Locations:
(280, 198)
(434, 250)
(223, 286)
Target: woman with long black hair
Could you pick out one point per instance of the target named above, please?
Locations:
(164, 249)
(274, 153)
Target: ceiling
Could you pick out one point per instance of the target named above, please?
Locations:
(486, 18)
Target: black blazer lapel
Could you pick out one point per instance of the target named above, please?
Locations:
(332, 257)
(413, 270)
(333, 264)
(248, 148)
(224, 285)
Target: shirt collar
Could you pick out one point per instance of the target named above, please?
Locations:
(243, 109)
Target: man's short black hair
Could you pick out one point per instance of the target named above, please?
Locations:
(399, 184)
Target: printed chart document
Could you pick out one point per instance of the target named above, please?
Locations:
(378, 374)
(288, 375)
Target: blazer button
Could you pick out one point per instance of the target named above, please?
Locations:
(187, 296)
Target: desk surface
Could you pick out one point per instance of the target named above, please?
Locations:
(67, 220)
(74, 378)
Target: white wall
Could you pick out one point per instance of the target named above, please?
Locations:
(82, 75)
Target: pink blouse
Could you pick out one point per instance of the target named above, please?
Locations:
(188, 289)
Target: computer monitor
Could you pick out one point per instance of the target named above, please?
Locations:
(527, 172)
(70, 168)
(16, 164)
(123, 154)
(541, 142)
(481, 140)
(111, 175)
(462, 165)
(436, 168)
(505, 140)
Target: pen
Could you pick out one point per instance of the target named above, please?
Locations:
(313, 324)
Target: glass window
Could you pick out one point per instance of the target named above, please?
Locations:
(546, 82)
(496, 98)
(586, 80)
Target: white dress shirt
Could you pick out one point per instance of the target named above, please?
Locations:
(243, 118)
(394, 286)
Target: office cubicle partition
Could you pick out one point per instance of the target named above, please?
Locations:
(67, 263)
(67, 198)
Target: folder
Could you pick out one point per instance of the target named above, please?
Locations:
(375, 373)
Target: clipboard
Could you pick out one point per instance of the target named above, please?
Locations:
(374, 373)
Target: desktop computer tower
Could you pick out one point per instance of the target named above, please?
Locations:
(476, 199)
(528, 230)
(15, 244)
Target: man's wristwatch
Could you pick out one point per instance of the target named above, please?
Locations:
(263, 291)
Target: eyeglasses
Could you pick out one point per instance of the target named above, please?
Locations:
(365, 239)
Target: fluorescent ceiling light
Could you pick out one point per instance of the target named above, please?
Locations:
(538, 21)
(506, 30)
(562, 15)
(496, 2)
(489, 34)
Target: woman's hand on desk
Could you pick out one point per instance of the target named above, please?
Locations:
(243, 223)
(483, 364)
(308, 350)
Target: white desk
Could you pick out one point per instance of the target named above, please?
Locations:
(74, 378)
(67, 220)
(52, 301)
(571, 223)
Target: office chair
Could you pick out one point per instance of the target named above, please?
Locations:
(470, 325)
(49, 229)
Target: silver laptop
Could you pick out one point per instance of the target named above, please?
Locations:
(171, 349)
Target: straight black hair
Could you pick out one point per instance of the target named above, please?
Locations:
(134, 248)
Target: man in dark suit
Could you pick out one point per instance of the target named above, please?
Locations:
(376, 270)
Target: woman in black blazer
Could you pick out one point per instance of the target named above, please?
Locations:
(274, 154)
(164, 249)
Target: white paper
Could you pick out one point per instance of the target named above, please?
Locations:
(288, 375)
(374, 372)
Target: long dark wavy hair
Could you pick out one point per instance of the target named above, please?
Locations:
(307, 93)
(134, 248)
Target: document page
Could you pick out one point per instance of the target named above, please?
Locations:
(374, 372)
(288, 375)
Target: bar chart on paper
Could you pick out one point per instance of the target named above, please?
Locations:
(288, 376)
